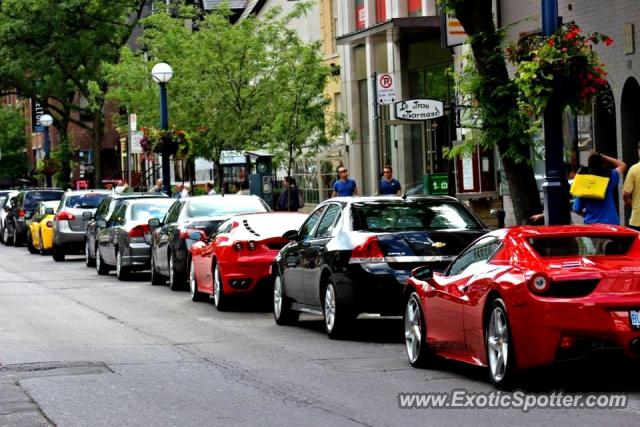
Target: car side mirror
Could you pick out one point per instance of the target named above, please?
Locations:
(196, 236)
(49, 211)
(153, 223)
(423, 273)
(291, 235)
(87, 215)
(101, 223)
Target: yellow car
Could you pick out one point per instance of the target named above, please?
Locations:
(40, 227)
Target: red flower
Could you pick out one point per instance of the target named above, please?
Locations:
(608, 41)
(552, 42)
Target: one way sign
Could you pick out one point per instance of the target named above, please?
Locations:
(386, 88)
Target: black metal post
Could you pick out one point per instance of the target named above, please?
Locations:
(47, 152)
(556, 188)
(166, 156)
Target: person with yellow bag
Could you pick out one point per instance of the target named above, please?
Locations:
(593, 191)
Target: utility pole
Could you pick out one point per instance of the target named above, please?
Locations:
(556, 187)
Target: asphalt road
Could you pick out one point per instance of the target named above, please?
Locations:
(77, 349)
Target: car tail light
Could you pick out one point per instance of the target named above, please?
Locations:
(539, 283)
(237, 246)
(140, 231)
(567, 342)
(368, 252)
(65, 216)
(49, 224)
(252, 245)
(21, 213)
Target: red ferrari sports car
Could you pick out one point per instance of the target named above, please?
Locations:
(237, 258)
(529, 296)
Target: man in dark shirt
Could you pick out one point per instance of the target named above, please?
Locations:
(388, 184)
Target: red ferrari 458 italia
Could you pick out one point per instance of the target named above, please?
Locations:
(529, 296)
(237, 258)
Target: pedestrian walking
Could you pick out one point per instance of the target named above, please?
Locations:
(289, 199)
(244, 188)
(157, 188)
(210, 190)
(344, 186)
(178, 191)
(631, 193)
(603, 211)
(388, 184)
(186, 190)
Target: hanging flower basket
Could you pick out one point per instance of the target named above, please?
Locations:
(563, 66)
(175, 142)
(48, 166)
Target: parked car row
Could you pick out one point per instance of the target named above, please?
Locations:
(509, 299)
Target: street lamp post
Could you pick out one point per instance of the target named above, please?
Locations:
(556, 188)
(161, 74)
(46, 120)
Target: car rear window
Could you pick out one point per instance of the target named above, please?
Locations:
(570, 246)
(391, 215)
(146, 211)
(32, 198)
(84, 201)
(218, 206)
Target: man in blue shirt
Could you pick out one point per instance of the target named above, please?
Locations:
(388, 184)
(344, 186)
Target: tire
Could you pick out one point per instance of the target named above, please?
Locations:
(57, 253)
(32, 249)
(122, 272)
(415, 333)
(282, 313)
(43, 251)
(337, 318)
(176, 280)
(156, 278)
(196, 295)
(220, 299)
(6, 240)
(499, 345)
(88, 260)
(101, 268)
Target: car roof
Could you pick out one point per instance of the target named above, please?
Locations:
(147, 199)
(391, 197)
(138, 195)
(80, 192)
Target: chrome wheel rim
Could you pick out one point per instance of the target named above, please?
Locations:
(118, 263)
(98, 260)
(86, 251)
(413, 329)
(216, 286)
(498, 344)
(329, 307)
(192, 279)
(171, 273)
(277, 297)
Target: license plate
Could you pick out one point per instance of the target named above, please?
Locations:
(634, 317)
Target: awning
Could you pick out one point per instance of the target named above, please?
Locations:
(412, 27)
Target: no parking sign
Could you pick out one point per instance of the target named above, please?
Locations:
(386, 88)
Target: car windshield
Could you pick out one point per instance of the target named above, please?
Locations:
(220, 206)
(145, 211)
(571, 246)
(51, 204)
(392, 215)
(84, 201)
(32, 198)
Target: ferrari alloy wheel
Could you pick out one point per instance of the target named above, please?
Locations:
(90, 262)
(122, 272)
(220, 300)
(282, 314)
(196, 295)
(336, 317)
(156, 278)
(57, 253)
(101, 267)
(32, 249)
(415, 332)
(498, 344)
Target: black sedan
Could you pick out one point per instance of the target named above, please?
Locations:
(170, 241)
(124, 239)
(354, 255)
(105, 209)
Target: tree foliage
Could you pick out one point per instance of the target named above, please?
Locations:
(252, 84)
(13, 162)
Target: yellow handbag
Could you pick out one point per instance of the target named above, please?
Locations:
(589, 186)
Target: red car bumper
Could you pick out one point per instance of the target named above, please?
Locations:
(247, 274)
(545, 330)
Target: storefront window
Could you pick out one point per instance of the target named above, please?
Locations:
(360, 16)
(414, 7)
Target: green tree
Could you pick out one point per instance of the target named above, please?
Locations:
(253, 84)
(53, 51)
(13, 162)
